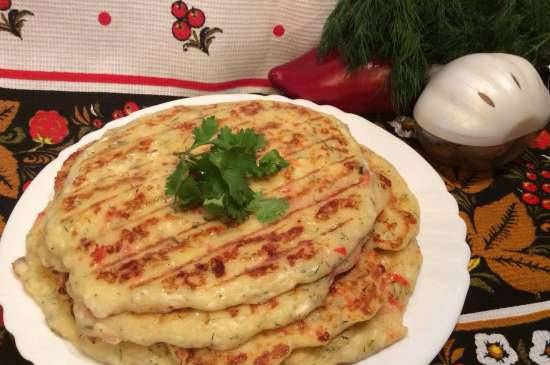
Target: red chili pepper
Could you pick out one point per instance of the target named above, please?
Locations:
(328, 81)
(341, 250)
(99, 253)
(396, 278)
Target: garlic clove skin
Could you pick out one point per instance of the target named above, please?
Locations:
(484, 99)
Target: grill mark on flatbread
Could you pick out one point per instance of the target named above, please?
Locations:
(141, 177)
(122, 273)
(354, 297)
(117, 136)
(175, 269)
(187, 124)
(304, 249)
(70, 202)
(398, 223)
(148, 138)
(290, 197)
(148, 247)
(118, 182)
(337, 226)
(213, 227)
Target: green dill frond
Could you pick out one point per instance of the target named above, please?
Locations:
(413, 34)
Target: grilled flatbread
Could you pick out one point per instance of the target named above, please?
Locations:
(112, 229)
(229, 328)
(355, 297)
(399, 222)
(128, 280)
(386, 328)
(46, 288)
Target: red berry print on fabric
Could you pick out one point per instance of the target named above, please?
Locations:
(104, 18)
(179, 9)
(189, 27)
(531, 175)
(5, 5)
(130, 107)
(278, 30)
(97, 123)
(181, 30)
(12, 21)
(196, 18)
(535, 187)
(117, 114)
(529, 186)
(530, 199)
(48, 127)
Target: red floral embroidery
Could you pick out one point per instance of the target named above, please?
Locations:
(48, 127)
(184, 27)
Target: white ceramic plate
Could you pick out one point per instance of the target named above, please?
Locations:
(431, 313)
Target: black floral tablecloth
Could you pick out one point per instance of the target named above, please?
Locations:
(506, 317)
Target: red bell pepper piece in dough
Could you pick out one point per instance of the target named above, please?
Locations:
(328, 81)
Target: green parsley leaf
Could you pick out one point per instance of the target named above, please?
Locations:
(204, 134)
(217, 179)
(267, 209)
(173, 181)
(238, 186)
(271, 163)
(188, 193)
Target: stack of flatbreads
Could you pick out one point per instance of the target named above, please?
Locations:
(130, 280)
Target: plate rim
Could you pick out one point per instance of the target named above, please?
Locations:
(25, 344)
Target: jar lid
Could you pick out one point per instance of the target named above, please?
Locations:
(484, 99)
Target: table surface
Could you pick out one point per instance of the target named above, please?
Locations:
(506, 317)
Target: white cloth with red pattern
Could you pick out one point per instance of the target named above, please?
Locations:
(138, 46)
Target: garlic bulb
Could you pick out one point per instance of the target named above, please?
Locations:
(484, 99)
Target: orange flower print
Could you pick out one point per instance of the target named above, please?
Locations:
(501, 234)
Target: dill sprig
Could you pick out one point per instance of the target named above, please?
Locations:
(413, 34)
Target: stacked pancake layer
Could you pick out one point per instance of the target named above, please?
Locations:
(129, 280)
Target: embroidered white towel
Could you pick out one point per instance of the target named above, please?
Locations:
(154, 47)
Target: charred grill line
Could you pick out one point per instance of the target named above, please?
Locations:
(232, 243)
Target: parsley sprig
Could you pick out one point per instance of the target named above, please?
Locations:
(217, 179)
